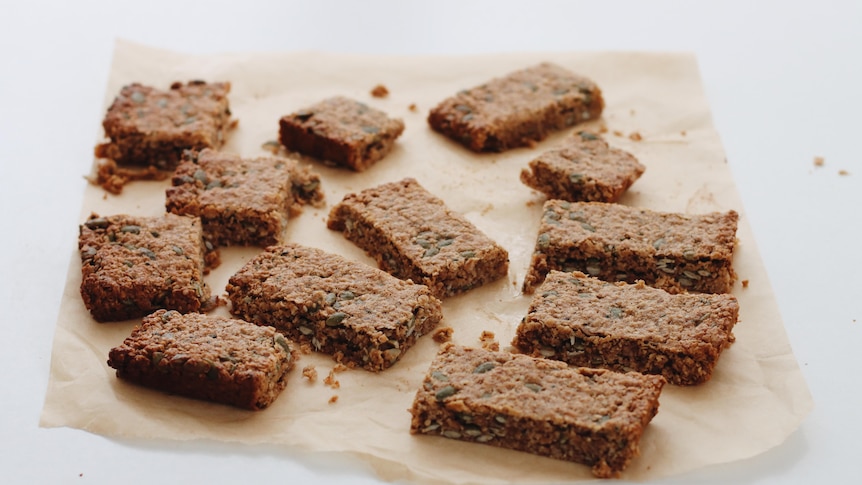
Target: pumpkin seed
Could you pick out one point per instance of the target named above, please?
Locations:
(282, 342)
(593, 267)
(138, 97)
(587, 227)
(658, 243)
(484, 367)
(533, 387)
(432, 251)
(450, 433)
(485, 438)
(157, 357)
(97, 223)
(444, 242)
(440, 376)
(500, 419)
(689, 254)
(131, 229)
(615, 312)
(576, 178)
(305, 330)
(468, 254)
(587, 136)
(445, 392)
(370, 129)
(430, 427)
(543, 241)
(335, 319)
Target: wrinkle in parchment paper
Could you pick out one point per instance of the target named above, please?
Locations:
(756, 398)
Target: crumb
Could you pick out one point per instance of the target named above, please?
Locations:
(632, 112)
(331, 381)
(618, 133)
(531, 143)
(333, 399)
(80, 474)
(745, 283)
(272, 146)
(305, 348)
(635, 136)
(683, 133)
(104, 196)
(339, 368)
(488, 208)
(603, 128)
(412, 107)
(380, 91)
(819, 161)
(111, 177)
(309, 372)
(843, 172)
(488, 341)
(442, 334)
(531, 202)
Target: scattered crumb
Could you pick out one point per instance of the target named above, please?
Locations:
(442, 334)
(80, 474)
(331, 381)
(486, 209)
(531, 202)
(745, 283)
(380, 91)
(104, 196)
(111, 177)
(271, 146)
(683, 133)
(339, 367)
(635, 136)
(333, 399)
(309, 372)
(489, 341)
(305, 348)
(819, 161)
(632, 112)
(531, 144)
(843, 172)
(618, 133)
(603, 128)
(412, 107)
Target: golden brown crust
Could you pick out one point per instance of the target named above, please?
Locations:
(206, 357)
(517, 109)
(584, 321)
(674, 252)
(540, 406)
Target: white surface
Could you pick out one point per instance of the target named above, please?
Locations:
(783, 80)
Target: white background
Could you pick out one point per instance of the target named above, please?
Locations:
(784, 80)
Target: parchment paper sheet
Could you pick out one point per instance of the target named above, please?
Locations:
(756, 398)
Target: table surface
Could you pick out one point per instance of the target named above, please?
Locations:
(782, 79)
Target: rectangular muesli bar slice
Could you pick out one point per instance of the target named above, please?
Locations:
(131, 266)
(584, 321)
(583, 169)
(244, 201)
(413, 235)
(211, 358)
(590, 416)
(341, 130)
(518, 109)
(362, 316)
(613, 242)
(152, 127)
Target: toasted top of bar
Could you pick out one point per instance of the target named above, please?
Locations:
(419, 224)
(195, 107)
(635, 311)
(346, 120)
(615, 227)
(211, 178)
(210, 341)
(587, 156)
(520, 386)
(523, 93)
(344, 292)
(168, 247)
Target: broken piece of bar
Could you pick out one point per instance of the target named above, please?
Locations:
(541, 406)
(212, 358)
(413, 235)
(583, 169)
(585, 321)
(342, 131)
(362, 316)
(518, 109)
(243, 201)
(613, 242)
